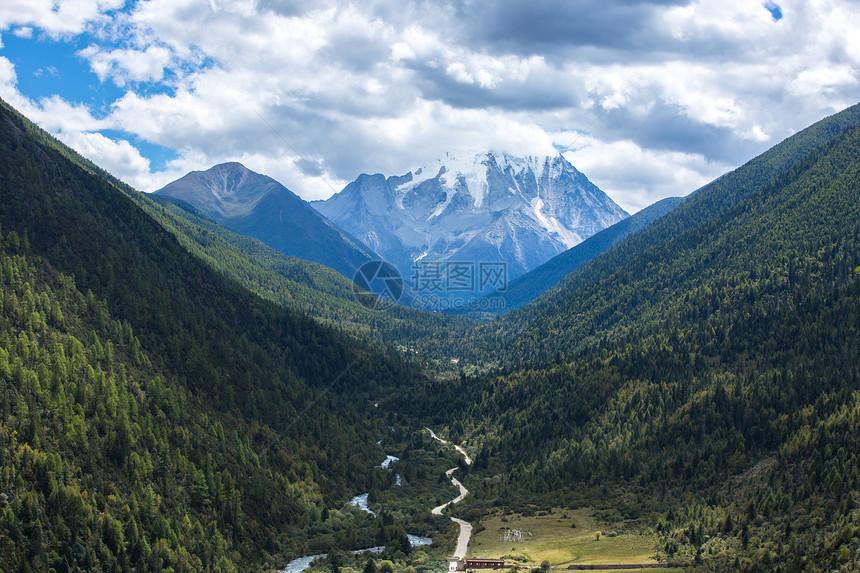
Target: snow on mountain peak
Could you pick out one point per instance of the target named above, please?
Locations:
(476, 207)
(471, 168)
(552, 224)
(533, 163)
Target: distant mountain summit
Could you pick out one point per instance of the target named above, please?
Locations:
(258, 206)
(223, 191)
(481, 208)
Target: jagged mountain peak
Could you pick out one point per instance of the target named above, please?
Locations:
(469, 170)
(489, 205)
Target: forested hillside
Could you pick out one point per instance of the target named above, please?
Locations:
(297, 284)
(155, 414)
(710, 383)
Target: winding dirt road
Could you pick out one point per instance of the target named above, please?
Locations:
(463, 493)
(465, 526)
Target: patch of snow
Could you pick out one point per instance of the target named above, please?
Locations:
(518, 165)
(473, 170)
(551, 224)
(442, 206)
(388, 461)
(471, 167)
(419, 176)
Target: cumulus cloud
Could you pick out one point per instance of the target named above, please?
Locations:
(23, 32)
(57, 18)
(635, 177)
(672, 93)
(117, 156)
(127, 65)
(54, 113)
(8, 77)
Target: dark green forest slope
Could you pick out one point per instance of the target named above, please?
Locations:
(711, 385)
(156, 415)
(297, 284)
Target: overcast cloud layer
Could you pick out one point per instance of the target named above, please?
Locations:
(648, 99)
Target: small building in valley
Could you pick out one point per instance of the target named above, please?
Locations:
(485, 563)
(458, 564)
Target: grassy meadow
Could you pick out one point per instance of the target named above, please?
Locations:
(562, 537)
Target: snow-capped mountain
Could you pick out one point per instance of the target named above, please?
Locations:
(258, 206)
(483, 208)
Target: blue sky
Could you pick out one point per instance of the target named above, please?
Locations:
(648, 99)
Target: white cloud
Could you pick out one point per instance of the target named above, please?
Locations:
(431, 129)
(8, 77)
(53, 114)
(56, 114)
(23, 32)
(422, 44)
(457, 70)
(385, 87)
(823, 82)
(401, 51)
(231, 32)
(731, 21)
(124, 65)
(118, 157)
(636, 177)
(9, 89)
(56, 17)
(490, 72)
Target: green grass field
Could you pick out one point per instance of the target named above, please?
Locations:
(552, 538)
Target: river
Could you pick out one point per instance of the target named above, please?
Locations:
(360, 501)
